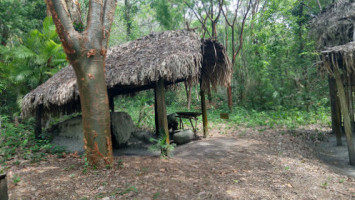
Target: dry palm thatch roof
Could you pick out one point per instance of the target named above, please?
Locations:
(172, 55)
(341, 57)
(334, 25)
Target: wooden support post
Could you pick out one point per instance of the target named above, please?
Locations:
(38, 123)
(162, 120)
(336, 118)
(204, 111)
(111, 101)
(3, 187)
(346, 116)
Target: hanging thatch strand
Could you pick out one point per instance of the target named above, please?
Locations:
(134, 66)
(335, 25)
(340, 57)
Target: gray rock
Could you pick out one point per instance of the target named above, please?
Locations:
(172, 122)
(69, 134)
(142, 135)
(183, 136)
(122, 127)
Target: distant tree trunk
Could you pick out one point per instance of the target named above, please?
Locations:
(128, 19)
(5, 34)
(188, 86)
(86, 51)
(336, 118)
(346, 116)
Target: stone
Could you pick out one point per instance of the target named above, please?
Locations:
(69, 134)
(172, 122)
(183, 136)
(122, 127)
(143, 135)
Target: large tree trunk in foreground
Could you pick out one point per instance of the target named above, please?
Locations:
(86, 51)
(95, 110)
(346, 116)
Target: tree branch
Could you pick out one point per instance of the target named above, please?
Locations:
(241, 32)
(109, 12)
(199, 17)
(94, 23)
(64, 26)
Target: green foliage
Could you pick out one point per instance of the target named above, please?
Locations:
(17, 141)
(16, 179)
(168, 13)
(18, 17)
(25, 66)
(161, 145)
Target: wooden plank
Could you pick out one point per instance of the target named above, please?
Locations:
(346, 116)
(161, 117)
(336, 119)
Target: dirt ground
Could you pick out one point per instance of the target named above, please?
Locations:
(233, 163)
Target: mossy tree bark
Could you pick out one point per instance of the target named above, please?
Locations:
(204, 111)
(336, 118)
(346, 116)
(160, 114)
(86, 51)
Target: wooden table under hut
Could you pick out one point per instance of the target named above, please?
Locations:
(335, 36)
(152, 62)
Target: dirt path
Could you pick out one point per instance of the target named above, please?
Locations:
(240, 164)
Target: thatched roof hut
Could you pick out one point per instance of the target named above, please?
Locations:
(173, 56)
(334, 25)
(334, 29)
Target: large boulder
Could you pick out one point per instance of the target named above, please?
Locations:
(183, 136)
(69, 134)
(122, 127)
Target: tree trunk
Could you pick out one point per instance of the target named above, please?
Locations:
(350, 100)
(162, 120)
(204, 112)
(230, 100)
(95, 109)
(128, 19)
(188, 94)
(86, 51)
(336, 120)
(345, 111)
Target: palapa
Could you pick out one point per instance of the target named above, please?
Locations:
(173, 56)
(334, 25)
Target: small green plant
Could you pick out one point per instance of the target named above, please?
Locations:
(120, 163)
(86, 166)
(16, 179)
(287, 168)
(324, 184)
(161, 145)
(156, 195)
(341, 180)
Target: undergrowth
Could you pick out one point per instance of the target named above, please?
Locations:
(17, 142)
